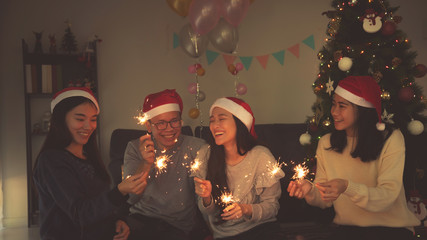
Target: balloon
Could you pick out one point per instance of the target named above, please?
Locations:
(204, 15)
(200, 72)
(239, 67)
(192, 43)
(194, 113)
(192, 68)
(241, 89)
(234, 11)
(202, 96)
(192, 88)
(224, 37)
(181, 7)
(231, 68)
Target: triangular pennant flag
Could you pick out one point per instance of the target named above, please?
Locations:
(229, 59)
(246, 62)
(294, 50)
(211, 56)
(175, 40)
(263, 60)
(280, 56)
(309, 41)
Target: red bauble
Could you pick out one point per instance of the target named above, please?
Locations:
(420, 70)
(388, 28)
(406, 94)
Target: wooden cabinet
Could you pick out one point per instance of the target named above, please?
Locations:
(44, 75)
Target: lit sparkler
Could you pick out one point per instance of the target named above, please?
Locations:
(276, 168)
(195, 166)
(301, 170)
(141, 118)
(227, 198)
(161, 163)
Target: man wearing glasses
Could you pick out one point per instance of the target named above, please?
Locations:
(167, 208)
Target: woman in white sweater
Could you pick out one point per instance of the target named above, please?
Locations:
(360, 168)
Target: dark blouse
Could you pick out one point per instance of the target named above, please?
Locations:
(75, 203)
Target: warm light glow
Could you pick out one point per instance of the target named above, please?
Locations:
(196, 164)
(276, 168)
(141, 118)
(227, 198)
(300, 171)
(161, 163)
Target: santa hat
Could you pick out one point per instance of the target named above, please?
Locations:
(239, 109)
(165, 101)
(73, 92)
(362, 91)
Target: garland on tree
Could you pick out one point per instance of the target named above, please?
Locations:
(363, 39)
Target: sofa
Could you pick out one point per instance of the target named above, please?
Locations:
(298, 220)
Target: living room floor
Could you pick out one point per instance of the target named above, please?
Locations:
(20, 233)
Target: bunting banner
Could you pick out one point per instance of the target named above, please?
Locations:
(263, 59)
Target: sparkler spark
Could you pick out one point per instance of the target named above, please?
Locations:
(141, 118)
(227, 198)
(276, 168)
(196, 164)
(301, 170)
(161, 163)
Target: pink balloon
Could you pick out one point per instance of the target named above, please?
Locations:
(204, 15)
(234, 11)
(192, 88)
(192, 68)
(239, 67)
(241, 89)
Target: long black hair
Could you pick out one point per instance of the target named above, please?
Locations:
(216, 170)
(370, 141)
(59, 136)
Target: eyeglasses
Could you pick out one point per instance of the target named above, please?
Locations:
(162, 125)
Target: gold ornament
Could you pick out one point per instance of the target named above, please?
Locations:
(326, 122)
(320, 56)
(378, 76)
(385, 95)
(194, 113)
(312, 120)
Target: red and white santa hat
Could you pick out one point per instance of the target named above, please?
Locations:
(73, 92)
(362, 91)
(239, 109)
(165, 101)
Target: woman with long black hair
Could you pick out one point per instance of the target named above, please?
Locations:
(234, 164)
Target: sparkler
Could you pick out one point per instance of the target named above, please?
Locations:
(141, 118)
(161, 163)
(195, 166)
(227, 198)
(301, 170)
(276, 168)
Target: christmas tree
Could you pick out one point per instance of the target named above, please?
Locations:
(69, 43)
(363, 39)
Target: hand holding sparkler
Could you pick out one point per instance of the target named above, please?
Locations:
(301, 186)
(133, 184)
(146, 148)
(203, 188)
(331, 190)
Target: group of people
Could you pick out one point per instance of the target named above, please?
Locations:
(359, 172)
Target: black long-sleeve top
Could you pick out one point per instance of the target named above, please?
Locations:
(74, 201)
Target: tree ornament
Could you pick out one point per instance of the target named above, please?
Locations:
(386, 117)
(420, 70)
(385, 95)
(192, 88)
(200, 72)
(202, 96)
(415, 127)
(305, 139)
(371, 21)
(406, 94)
(378, 76)
(194, 113)
(231, 68)
(345, 64)
(320, 56)
(333, 26)
(416, 205)
(326, 122)
(330, 86)
(241, 89)
(351, 3)
(337, 55)
(396, 61)
(388, 28)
